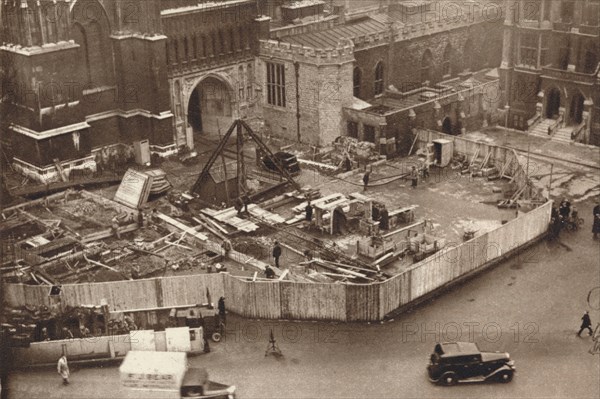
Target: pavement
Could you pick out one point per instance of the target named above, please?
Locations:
(582, 154)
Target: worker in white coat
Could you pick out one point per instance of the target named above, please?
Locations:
(63, 369)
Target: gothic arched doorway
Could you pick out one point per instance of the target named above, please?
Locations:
(447, 125)
(576, 109)
(553, 103)
(209, 107)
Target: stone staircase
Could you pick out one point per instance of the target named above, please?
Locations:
(564, 134)
(541, 129)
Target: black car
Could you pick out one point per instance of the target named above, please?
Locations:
(452, 362)
(285, 159)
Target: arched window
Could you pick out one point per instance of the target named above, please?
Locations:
(249, 81)
(203, 46)
(231, 41)
(186, 49)
(93, 37)
(356, 78)
(213, 44)
(426, 66)
(221, 43)
(167, 55)
(194, 46)
(241, 37)
(241, 82)
(590, 62)
(176, 51)
(379, 78)
(447, 61)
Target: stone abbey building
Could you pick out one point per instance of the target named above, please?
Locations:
(82, 80)
(551, 68)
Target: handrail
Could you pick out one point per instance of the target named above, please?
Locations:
(577, 131)
(534, 120)
(553, 128)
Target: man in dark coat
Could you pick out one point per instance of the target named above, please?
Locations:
(366, 180)
(384, 219)
(309, 212)
(276, 253)
(565, 208)
(585, 323)
(414, 177)
(221, 306)
(596, 221)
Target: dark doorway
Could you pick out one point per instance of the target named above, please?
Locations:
(576, 111)
(447, 125)
(210, 108)
(194, 115)
(553, 104)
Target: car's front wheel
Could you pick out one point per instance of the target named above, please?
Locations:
(448, 379)
(505, 376)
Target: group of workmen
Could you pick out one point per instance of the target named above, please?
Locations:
(560, 217)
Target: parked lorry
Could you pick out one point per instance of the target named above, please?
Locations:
(167, 375)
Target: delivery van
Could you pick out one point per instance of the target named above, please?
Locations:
(167, 375)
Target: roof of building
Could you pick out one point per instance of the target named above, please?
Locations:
(331, 37)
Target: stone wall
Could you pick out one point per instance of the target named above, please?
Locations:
(323, 86)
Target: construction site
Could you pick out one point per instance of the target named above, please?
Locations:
(194, 228)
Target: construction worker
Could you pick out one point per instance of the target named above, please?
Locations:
(276, 253)
(414, 177)
(115, 227)
(366, 179)
(309, 211)
(239, 205)
(226, 246)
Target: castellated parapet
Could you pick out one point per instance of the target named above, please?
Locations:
(344, 53)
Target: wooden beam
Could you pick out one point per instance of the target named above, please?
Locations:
(178, 245)
(400, 230)
(93, 262)
(285, 272)
(191, 231)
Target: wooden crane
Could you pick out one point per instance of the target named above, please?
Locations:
(238, 125)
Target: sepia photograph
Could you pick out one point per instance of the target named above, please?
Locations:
(299, 199)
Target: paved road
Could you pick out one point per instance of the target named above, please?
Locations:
(535, 301)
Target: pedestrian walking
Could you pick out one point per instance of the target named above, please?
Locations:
(221, 306)
(366, 179)
(585, 323)
(414, 177)
(63, 369)
(309, 211)
(596, 221)
(276, 253)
